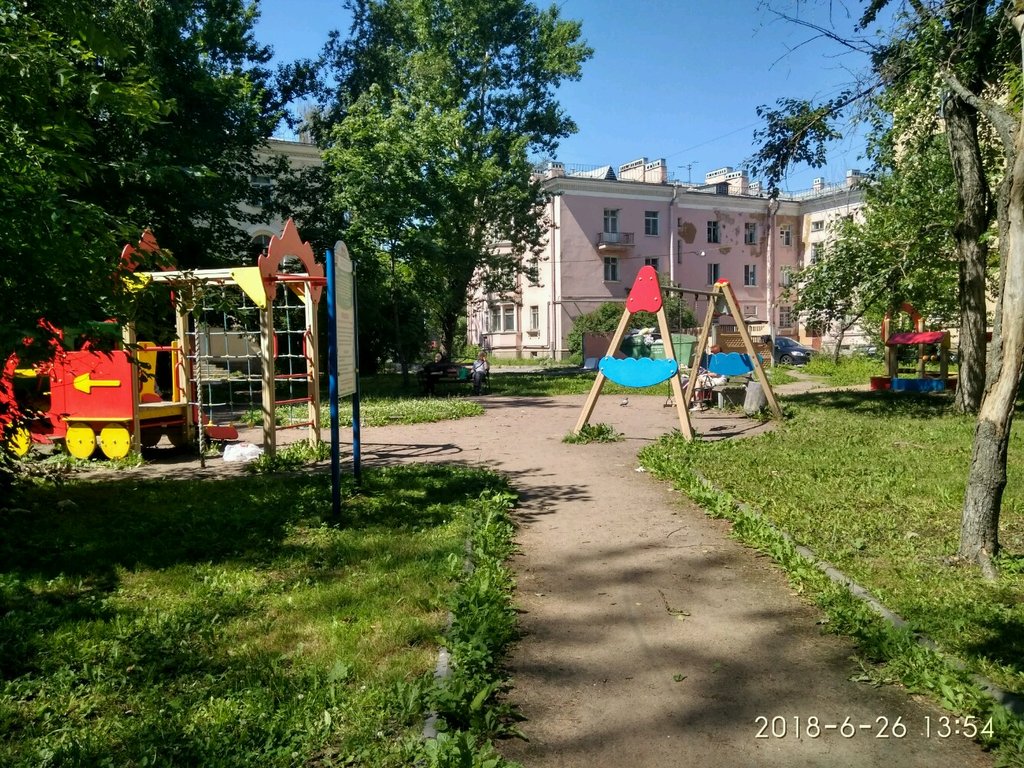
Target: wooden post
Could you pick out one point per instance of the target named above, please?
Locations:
(595, 390)
(269, 390)
(944, 359)
(184, 367)
(734, 309)
(677, 389)
(130, 347)
(312, 360)
(701, 345)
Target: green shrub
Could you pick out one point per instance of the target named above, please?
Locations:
(594, 433)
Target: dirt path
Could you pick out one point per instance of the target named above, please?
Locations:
(650, 638)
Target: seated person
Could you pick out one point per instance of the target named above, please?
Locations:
(480, 370)
(432, 371)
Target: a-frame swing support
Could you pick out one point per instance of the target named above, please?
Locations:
(654, 298)
(722, 291)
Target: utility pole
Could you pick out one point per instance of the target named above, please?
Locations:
(773, 208)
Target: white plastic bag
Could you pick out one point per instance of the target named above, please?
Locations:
(242, 452)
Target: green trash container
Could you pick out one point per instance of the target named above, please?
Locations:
(682, 345)
(658, 350)
(634, 346)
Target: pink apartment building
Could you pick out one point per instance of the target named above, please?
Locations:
(606, 225)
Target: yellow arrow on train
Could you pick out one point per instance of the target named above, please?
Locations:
(85, 384)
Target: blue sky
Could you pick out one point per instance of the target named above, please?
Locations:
(678, 79)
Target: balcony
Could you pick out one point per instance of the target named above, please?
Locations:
(614, 241)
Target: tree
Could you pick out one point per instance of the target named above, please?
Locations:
(986, 480)
(190, 176)
(902, 251)
(59, 244)
(119, 116)
(605, 319)
(961, 38)
(439, 107)
(968, 48)
(956, 54)
(114, 117)
(956, 35)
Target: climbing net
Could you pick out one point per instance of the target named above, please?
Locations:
(226, 357)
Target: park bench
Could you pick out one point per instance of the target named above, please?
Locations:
(449, 374)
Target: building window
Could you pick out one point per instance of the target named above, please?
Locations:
(533, 273)
(812, 256)
(713, 235)
(651, 223)
(611, 269)
(712, 273)
(502, 318)
(786, 278)
(750, 233)
(611, 221)
(651, 262)
(750, 310)
(534, 318)
(786, 234)
(785, 316)
(258, 245)
(264, 186)
(750, 274)
(817, 226)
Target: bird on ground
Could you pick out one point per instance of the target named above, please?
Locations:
(625, 402)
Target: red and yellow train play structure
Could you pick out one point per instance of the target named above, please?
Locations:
(105, 396)
(90, 397)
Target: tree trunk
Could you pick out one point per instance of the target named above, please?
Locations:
(979, 528)
(839, 344)
(448, 325)
(975, 216)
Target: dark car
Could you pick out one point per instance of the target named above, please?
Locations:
(791, 352)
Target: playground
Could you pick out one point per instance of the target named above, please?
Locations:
(648, 632)
(624, 586)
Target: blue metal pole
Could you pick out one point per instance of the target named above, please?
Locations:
(332, 389)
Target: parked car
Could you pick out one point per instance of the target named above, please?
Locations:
(791, 352)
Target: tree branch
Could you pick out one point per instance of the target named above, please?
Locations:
(1001, 120)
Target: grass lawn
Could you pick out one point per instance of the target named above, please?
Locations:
(381, 392)
(873, 482)
(220, 623)
(850, 370)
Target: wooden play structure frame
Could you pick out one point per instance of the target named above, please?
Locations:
(260, 284)
(920, 338)
(720, 297)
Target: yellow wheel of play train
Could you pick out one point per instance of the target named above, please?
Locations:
(80, 440)
(20, 442)
(115, 441)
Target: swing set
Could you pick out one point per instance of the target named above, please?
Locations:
(646, 295)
